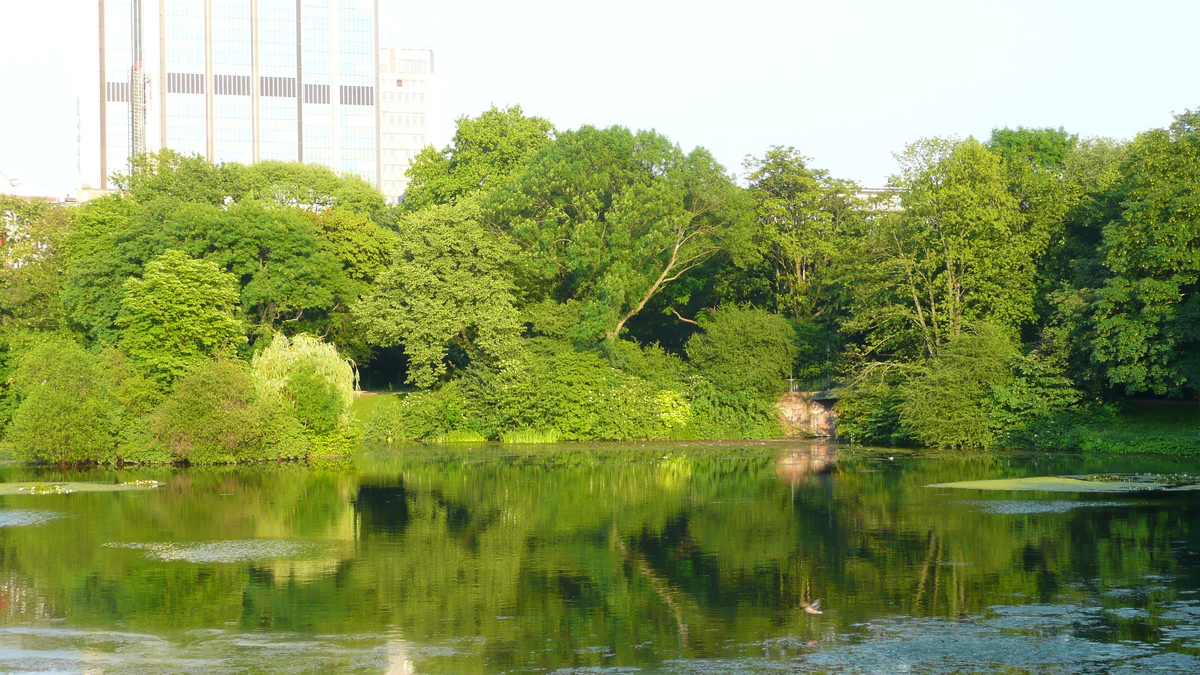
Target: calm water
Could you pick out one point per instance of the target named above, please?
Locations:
(602, 559)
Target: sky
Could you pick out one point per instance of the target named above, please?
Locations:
(846, 83)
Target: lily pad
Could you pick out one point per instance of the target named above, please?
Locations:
(1068, 484)
(44, 488)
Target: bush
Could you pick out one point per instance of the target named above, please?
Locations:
(67, 411)
(744, 349)
(868, 412)
(215, 415)
(949, 405)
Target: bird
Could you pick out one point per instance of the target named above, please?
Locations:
(813, 607)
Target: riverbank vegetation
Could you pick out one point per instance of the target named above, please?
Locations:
(595, 284)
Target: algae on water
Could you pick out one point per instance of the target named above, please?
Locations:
(1093, 483)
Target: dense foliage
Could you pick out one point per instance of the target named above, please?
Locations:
(603, 283)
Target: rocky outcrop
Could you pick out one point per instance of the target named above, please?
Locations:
(807, 414)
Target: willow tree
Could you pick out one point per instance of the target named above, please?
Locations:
(610, 218)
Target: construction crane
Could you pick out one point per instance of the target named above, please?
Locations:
(13, 182)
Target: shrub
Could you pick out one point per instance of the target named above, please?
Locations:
(868, 411)
(215, 415)
(949, 405)
(743, 349)
(67, 411)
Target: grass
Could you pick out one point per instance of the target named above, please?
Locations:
(531, 436)
(367, 402)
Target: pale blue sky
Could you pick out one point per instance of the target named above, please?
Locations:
(846, 83)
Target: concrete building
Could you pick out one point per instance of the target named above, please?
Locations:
(247, 80)
(406, 97)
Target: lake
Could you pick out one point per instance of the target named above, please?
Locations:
(607, 558)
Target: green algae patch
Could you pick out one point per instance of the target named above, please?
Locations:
(1107, 483)
(69, 487)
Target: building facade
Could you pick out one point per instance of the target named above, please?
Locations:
(246, 80)
(406, 95)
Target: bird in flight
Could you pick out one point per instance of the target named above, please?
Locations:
(813, 607)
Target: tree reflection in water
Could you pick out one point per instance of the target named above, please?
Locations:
(481, 560)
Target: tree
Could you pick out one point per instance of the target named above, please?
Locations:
(610, 218)
(309, 374)
(803, 214)
(954, 255)
(485, 151)
(311, 187)
(1148, 311)
(287, 273)
(448, 284)
(182, 311)
(32, 236)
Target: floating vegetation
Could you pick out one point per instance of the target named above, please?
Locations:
(231, 551)
(66, 488)
(1090, 483)
(143, 483)
(47, 490)
(1013, 507)
(24, 517)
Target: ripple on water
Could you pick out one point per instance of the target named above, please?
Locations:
(232, 551)
(1034, 506)
(24, 517)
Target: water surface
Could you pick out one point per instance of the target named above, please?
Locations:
(655, 558)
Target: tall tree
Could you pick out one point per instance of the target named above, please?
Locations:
(803, 213)
(485, 151)
(1148, 312)
(954, 254)
(447, 286)
(610, 218)
(181, 312)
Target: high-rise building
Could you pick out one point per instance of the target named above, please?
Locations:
(405, 98)
(245, 80)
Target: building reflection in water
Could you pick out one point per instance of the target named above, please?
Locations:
(798, 465)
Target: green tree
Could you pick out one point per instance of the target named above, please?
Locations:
(803, 215)
(611, 218)
(484, 152)
(180, 312)
(1148, 311)
(288, 276)
(954, 254)
(447, 285)
(311, 376)
(32, 236)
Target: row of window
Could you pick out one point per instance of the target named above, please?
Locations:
(402, 98)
